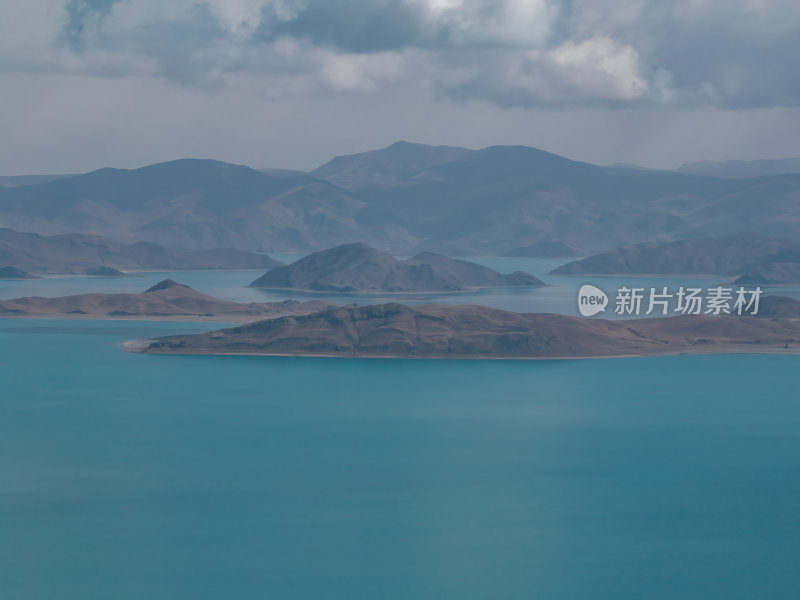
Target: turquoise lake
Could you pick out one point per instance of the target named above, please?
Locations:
(135, 476)
(127, 476)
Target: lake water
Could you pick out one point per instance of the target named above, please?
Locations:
(559, 296)
(132, 476)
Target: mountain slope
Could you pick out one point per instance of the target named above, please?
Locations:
(190, 205)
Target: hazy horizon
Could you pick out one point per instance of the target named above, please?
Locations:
(277, 168)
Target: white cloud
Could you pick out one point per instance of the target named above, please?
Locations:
(597, 68)
(523, 23)
(364, 72)
(29, 33)
(572, 73)
(514, 52)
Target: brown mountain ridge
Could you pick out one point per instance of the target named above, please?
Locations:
(469, 331)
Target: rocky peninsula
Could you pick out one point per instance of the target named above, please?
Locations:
(469, 331)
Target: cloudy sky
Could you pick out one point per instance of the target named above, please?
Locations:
(291, 83)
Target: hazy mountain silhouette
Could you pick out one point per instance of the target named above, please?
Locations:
(15, 273)
(406, 198)
(395, 164)
(20, 180)
(730, 255)
(165, 299)
(742, 168)
(97, 255)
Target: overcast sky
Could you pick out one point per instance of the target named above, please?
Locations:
(291, 83)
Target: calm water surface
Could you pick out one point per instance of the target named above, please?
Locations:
(129, 476)
(558, 296)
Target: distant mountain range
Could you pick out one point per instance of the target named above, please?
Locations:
(771, 273)
(739, 169)
(99, 256)
(756, 260)
(406, 198)
(15, 273)
(358, 267)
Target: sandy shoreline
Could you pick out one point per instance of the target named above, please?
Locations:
(180, 318)
(713, 276)
(133, 273)
(399, 295)
(140, 346)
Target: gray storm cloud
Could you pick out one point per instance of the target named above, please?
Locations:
(739, 53)
(291, 82)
